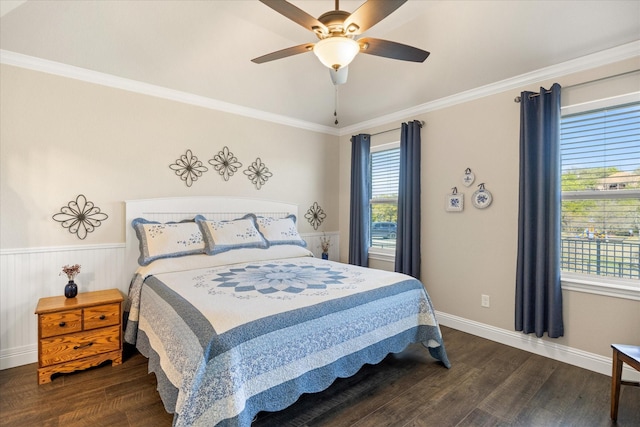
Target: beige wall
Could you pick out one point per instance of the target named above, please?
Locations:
(473, 252)
(62, 137)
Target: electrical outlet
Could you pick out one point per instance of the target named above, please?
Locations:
(485, 301)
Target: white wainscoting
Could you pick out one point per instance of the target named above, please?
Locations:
(313, 244)
(27, 275)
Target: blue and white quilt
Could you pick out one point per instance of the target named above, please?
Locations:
(228, 339)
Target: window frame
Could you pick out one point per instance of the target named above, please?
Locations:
(589, 283)
(375, 253)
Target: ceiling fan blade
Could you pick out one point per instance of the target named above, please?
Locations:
(290, 51)
(297, 15)
(369, 14)
(392, 50)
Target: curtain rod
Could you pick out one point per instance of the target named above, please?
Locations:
(394, 129)
(533, 95)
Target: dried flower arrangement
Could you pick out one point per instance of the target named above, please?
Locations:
(71, 271)
(325, 242)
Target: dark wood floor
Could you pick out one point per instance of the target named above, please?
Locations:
(489, 384)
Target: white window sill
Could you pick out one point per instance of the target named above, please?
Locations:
(379, 254)
(607, 286)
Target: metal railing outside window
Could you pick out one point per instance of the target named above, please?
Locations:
(603, 257)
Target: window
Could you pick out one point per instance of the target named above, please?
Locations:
(601, 192)
(385, 167)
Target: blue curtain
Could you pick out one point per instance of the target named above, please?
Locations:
(359, 217)
(538, 289)
(408, 235)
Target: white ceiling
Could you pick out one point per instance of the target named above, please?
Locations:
(205, 48)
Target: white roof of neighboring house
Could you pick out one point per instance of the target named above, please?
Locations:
(628, 178)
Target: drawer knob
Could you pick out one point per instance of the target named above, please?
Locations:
(62, 324)
(102, 317)
(76, 347)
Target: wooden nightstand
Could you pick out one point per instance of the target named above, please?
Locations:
(78, 333)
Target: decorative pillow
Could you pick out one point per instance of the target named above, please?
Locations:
(281, 231)
(167, 240)
(222, 236)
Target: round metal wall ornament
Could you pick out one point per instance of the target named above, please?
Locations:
(482, 197)
(225, 163)
(80, 217)
(188, 168)
(468, 177)
(258, 173)
(315, 215)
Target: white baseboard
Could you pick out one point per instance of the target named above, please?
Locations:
(590, 361)
(18, 356)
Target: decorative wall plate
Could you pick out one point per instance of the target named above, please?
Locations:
(468, 177)
(454, 202)
(481, 198)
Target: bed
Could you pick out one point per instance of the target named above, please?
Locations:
(235, 322)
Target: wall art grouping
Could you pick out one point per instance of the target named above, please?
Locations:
(189, 168)
(480, 199)
(80, 217)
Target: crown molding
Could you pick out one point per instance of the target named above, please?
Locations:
(108, 80)
(605, 57)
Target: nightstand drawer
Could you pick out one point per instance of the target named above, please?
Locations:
(75, 346)
(64, 322)
(100, 316)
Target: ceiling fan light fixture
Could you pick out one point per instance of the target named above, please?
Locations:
(336, 52)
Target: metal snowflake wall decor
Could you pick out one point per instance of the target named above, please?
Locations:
(225, 163)
(315, 215)
(188, 168)
(258, 173)
(80, 217)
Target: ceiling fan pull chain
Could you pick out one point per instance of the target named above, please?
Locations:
(335, 108)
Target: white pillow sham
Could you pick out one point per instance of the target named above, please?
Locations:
(167, 240)
(280, 231)
(222, 236)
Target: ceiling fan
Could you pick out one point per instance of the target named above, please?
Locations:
(338, 31)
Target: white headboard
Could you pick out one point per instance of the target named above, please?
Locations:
(179, 208)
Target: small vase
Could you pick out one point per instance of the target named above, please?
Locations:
(71, 290)
(325, 255)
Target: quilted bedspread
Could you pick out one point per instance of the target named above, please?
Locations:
(229, 341)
